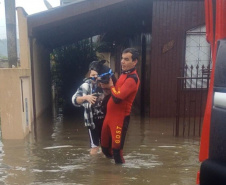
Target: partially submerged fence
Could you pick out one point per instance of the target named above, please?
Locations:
(192, 91)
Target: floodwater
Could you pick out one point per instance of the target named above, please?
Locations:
(58, 154)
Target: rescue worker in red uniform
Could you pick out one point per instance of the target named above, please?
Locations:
(119, 107)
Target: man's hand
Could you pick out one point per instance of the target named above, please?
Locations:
(110, 83)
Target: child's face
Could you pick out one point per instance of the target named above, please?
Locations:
(93, 74)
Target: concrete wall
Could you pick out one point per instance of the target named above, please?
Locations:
(16, 108)
(15, 103)
(37, 58)
(42, 77)
(25, 58)
(24, 40)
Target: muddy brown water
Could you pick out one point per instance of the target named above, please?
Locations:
(58, 153)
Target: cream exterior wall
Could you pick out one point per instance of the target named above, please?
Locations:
(11, 102)
(16, 109)
(23, 38)
(41, 92)
(17, 96)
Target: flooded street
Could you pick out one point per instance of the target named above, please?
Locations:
(59, 154)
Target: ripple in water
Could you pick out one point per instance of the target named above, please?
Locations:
(139, 160)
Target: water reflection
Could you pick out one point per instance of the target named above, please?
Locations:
(58, 153)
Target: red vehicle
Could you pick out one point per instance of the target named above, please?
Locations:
(213, 139)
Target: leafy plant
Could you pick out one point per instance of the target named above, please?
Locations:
(69, 65)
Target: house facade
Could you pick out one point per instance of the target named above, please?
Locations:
(159, 29)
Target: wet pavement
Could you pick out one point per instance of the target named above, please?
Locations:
(58, 153)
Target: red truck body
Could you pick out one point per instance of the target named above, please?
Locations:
(213, 167)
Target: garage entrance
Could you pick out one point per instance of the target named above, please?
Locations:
(120, 24)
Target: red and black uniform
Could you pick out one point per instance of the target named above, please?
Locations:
(118, 114)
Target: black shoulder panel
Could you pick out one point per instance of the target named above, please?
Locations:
(134, 76)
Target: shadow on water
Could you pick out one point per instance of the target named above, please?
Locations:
(58, 153)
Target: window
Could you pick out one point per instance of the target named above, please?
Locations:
(197, 58)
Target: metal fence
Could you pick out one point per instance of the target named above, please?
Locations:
(192, 91)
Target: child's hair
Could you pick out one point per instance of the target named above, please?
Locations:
(88, 74)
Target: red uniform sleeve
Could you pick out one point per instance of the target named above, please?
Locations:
(120, 93)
